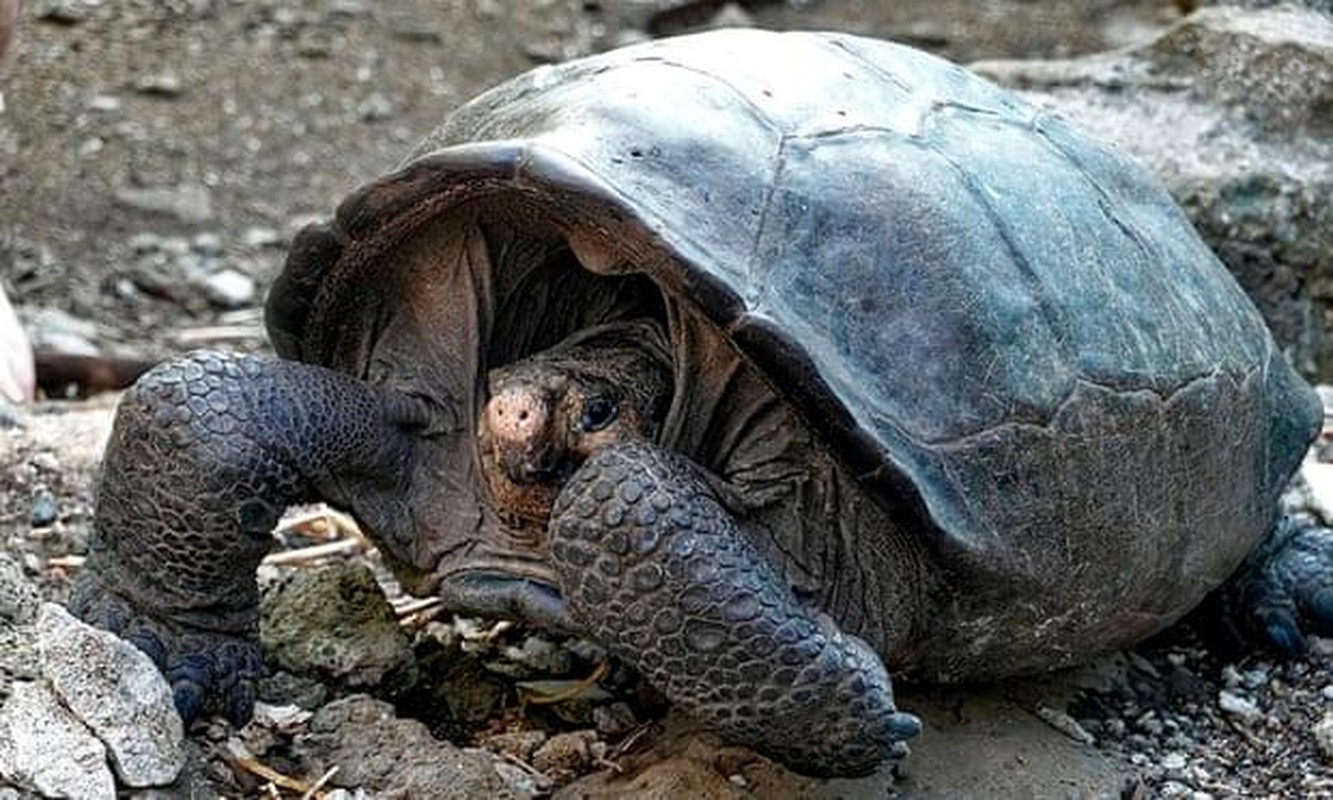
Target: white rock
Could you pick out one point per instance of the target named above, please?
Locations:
(58, 331)
(43, 748)
(117, 692)
(1323, 735)
(229, 288)
(189, 203)
(1239, 705)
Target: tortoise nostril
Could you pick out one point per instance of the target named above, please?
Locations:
(523, 416)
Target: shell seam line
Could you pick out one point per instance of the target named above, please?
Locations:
(755, 109)
(841, 45)
(1084, 382)
(1108, 206)
(1054, 320)
(779, 167)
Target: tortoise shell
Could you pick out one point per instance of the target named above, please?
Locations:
(1006, 330)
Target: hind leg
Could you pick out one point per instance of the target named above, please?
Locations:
(1284, 591)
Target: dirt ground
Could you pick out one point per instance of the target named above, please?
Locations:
(157, 155)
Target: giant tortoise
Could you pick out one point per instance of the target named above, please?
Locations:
(773, 361)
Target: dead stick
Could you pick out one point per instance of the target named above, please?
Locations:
(573, 691)
(313, 552)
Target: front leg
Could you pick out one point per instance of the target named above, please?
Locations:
(206, 453)
(654, 566)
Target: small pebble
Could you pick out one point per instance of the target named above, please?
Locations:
(614, 719)
(1255, 678)
(104, 103)
(45, 509)
(375, 108)
(1065, 724)
(209, 244)
(1239, 705)
(519, 744)
(1174, 762)
(260, 237)
(229, 289)
(1323, 735)
(160, 84)
(566, 753)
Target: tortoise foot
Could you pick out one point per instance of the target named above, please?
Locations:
(209, 671)
(654, 566)
(206, 452)
(1285, 590)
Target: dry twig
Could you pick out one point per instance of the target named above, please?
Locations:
(573, 691)
(307, 554)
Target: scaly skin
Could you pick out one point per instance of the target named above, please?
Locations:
(206, 453)
(658, 570)
(1285, 588)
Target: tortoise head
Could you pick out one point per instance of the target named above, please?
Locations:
(549, 412)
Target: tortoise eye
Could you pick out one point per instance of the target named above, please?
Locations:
(597, 414)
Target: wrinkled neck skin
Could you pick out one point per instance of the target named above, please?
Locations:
(467, 298)
(474, 298)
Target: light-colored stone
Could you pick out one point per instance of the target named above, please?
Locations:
(229, 288)
(1238, 705)
(1323, 735)
(117, 692)
(44, 749)
(188, 203)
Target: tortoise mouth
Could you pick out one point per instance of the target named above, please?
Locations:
(492, 592)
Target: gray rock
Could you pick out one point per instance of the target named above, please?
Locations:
(63, 12)
(537, 655)
(259, 236)
(19, 606)
(188, 203)
(57, 331)
(1231, 107)
(19, 599)
(207, 243)
(1238, 705)
(104, 103)
(384, 755)
(334, 623)
(229, 289)
(45, 749)
(1323, 735)
(45, 509)
(564, 755)
(1174, 762)
(166, 83)
(117, 692)
(615, 719)
(284, 688)
(375, 108)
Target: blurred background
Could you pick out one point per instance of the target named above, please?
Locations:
(157, 155)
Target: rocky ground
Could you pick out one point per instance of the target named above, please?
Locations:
(155, 158)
